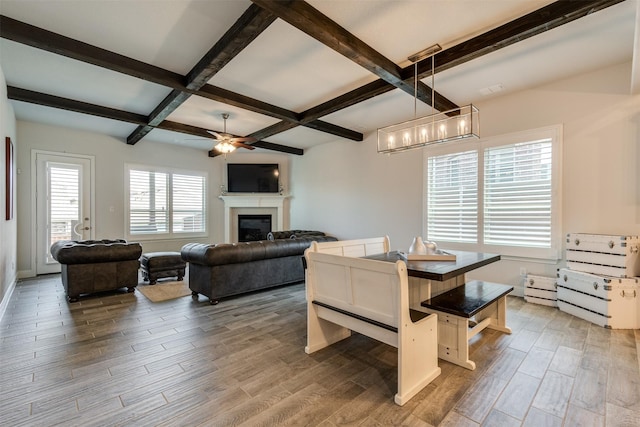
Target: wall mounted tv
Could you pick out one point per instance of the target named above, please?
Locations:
(252, 178)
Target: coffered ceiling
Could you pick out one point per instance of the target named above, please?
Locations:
(289, 73)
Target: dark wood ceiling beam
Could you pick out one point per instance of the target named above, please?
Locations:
(363, 93)
(53, 101)
(32, 97)
(231, 98)
(529, 25)
(273, 130)
(30, 35)
(309, 20)
(249, 26)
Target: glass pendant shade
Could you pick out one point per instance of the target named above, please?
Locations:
(225, 147)
(459, 123)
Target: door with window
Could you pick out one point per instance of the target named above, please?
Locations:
(63, 204)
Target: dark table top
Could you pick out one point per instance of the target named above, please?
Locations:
(441, 270)
(467, 300)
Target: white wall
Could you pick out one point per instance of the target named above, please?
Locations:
(8, 239)
(111, 154)
(349, 190)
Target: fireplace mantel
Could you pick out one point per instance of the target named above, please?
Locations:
(252, 201)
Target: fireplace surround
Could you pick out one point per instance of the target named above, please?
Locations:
(235, 205)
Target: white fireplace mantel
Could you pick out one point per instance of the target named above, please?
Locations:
(252, 201)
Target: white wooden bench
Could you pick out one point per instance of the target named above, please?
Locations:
(347, 294)
(465, 311)
(353, 248)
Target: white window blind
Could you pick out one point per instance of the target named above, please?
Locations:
(148, 202)
(64, 194)
(453, 197)
(188, 203)
(517, 194)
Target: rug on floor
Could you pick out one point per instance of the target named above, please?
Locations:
(164, 291)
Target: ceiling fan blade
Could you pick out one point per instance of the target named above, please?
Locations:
(216, 134)
(240, 144)
(245, 139)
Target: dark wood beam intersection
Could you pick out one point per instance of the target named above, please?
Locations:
(249, 26)
(309, 20)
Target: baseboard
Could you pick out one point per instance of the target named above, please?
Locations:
(26, 274)
(7, 296)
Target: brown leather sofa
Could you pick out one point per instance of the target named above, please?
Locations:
(97, 265)
(223, 270)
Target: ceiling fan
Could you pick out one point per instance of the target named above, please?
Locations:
(227, 142)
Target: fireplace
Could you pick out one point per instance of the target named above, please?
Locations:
(253, 227)
(264, 204)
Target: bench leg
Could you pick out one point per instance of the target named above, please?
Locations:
(498, 315)
(453, 339)
(322, 333)
(417, 358)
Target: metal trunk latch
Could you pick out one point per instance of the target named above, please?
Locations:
(577, 242)
(611, 244)
(595, 285)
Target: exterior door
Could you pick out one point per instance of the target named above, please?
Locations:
(63, 204)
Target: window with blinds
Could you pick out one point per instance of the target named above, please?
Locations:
(163, 202)
(500, 194)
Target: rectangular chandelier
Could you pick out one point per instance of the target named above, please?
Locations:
(459, 123)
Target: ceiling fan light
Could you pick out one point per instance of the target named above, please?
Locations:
(225, 147)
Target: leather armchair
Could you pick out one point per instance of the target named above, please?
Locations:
(90, 266)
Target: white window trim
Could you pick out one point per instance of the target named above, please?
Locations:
(169, 235)
(554, 132)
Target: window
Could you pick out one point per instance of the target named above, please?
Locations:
(498, 195)
(163, 203)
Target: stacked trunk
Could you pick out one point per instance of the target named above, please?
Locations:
(600, 283)
(541, 290)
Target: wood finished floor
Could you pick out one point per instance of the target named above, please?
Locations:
(119, 359)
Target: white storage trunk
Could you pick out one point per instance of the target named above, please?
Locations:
(609, 255)
(611, 302)
(540, 290)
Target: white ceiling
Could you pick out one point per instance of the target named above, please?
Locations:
(287, 68)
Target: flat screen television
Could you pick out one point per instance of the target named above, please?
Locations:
(252, 178)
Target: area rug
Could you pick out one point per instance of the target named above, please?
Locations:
(164, 291)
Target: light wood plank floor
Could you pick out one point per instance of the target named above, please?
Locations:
(119, 359)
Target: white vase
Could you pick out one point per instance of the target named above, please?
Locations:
(418, 247)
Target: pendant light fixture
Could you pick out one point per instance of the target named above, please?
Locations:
(437, 128)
